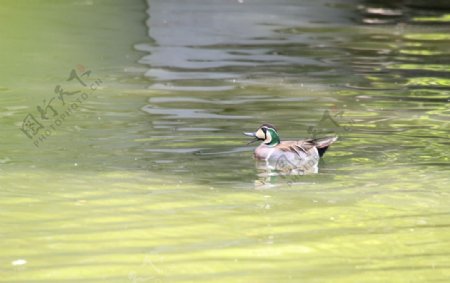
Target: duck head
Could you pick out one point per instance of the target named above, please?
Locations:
(266, 133)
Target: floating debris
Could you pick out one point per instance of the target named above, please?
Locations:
(18, 262)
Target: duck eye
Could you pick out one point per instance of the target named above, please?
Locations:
(264, 129)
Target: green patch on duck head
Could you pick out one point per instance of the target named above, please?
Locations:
(272, 138)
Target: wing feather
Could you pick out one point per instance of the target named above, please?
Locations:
(306, 145)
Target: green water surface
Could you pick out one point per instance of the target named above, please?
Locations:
(149, 178)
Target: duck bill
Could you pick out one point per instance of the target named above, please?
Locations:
(253, 135)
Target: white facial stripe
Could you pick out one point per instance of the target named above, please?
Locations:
(260, 134)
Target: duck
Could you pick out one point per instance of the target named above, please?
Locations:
(299, 156)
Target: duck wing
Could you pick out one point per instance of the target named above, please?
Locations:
(306, 145)
(322, 144)
(297, 146)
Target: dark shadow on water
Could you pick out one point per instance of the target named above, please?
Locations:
(384, 61)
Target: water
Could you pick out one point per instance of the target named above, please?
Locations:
(151, 180)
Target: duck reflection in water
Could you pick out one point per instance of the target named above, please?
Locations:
(286, 158)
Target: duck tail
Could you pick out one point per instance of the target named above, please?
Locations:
(322, 144)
